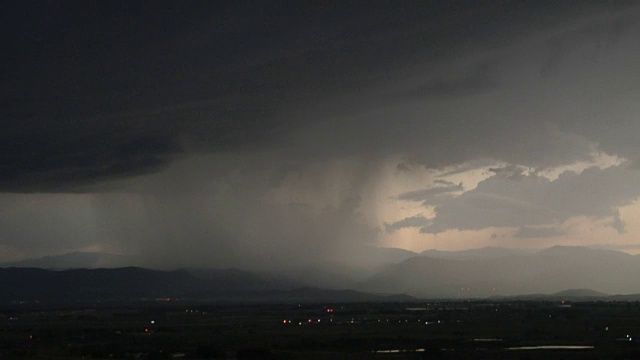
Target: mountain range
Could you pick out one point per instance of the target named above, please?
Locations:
(493, 273)
(547, 271)
(73, 260)
(34, 286)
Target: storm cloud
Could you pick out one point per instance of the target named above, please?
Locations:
(234, 134)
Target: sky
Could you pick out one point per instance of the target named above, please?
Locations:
(268, 134)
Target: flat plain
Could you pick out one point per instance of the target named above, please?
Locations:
(161, 329)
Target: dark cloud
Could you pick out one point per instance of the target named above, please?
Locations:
(442, 182)
(464, 167)
(511, 172)
(478, 80)
(403, 167)
(94, 91)
(538, 232)
(56, 161)
(194, 128)
(431, 196)
(618, 224)
(413, 221)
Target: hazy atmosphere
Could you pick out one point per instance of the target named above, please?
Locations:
(267, 135)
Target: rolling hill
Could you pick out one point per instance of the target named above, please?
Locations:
(80, 287)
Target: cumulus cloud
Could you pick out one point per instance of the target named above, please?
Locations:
(532, 200)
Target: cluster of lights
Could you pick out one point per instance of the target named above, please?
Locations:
(353, 321)
(310, 321)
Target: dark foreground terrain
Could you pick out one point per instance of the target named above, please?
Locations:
(170, 329)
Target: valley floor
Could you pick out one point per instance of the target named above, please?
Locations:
(432, 330)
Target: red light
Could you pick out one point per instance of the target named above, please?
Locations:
(284, 321)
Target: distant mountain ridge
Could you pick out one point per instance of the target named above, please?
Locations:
(582, 293)
(568, 295)
(477, 273)
(545, 272)
(79, 285)
(106, 286)
(489, 252)
(369, 257)
(73, 260)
